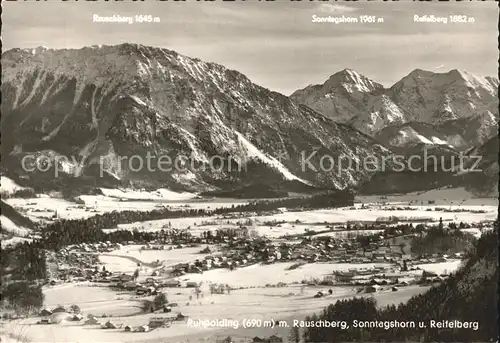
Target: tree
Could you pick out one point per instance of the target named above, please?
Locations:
(402, 246)
(160, 300)
(136, 274)
(294, 335)
(75, 309)
(23, 297)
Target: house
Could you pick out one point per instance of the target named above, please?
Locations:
(76, 317)
(91, 321)
(115, 279)
(158, 322)
(180, 316)
(128, 328)
(257, 340)
(178, 272)
(275, 339)
(109, 325)
(130, 285)
(379, 282)
(45, 312)
(372, 289)
(59, 309)
(172, 283)
(143, 328)
(58, 317)
(126, 277)
(141, 290)
(191, 284)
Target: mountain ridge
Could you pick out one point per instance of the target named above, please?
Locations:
(103, 103)
(456, 97)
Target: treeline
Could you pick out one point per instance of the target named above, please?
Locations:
(25, 261)
(470, 295)
(440, 240)
(322, 200)
(17, 218)
(429, 240)
(20, 193)
(23, 297)
(258, 191)
(21, 267)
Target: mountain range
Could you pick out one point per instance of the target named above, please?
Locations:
(455, 109)
(100, 106)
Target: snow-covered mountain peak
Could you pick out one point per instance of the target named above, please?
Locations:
(351, 81)
(454, 75)
(419, 97)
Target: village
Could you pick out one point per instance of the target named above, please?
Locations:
(152, 278)
(377, 266)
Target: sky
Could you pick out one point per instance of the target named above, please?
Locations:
(275, 44)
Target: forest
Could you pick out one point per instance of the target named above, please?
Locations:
(468, 295)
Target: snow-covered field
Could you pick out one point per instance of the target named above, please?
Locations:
(444, 196)
(374, 209)
(14, 241)
(371, 214)
(160, 194)
(44, 207)
(9, 186)
(260, 275)
(263, 303)
(298, 222)
(441, 267)
(126, 259)
(249, 298)
(12, 228)
(14, 234)
(170, 257)
(117, 264)
(94, 300)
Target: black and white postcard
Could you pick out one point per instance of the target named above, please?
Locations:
(249, 171)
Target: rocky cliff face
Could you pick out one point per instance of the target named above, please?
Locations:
(454, 109)
(108, 104)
